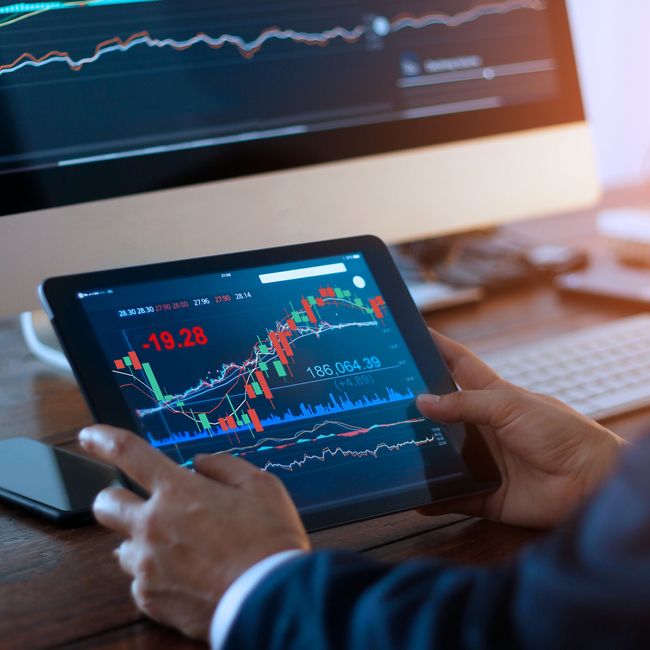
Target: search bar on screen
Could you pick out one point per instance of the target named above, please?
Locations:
(307, 272)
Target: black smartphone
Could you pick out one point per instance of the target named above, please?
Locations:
(52, 482)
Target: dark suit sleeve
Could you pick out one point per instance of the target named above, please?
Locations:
(586, 586)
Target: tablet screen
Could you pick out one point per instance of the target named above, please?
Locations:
(299, 368)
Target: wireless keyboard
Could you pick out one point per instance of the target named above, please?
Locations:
(600, 371)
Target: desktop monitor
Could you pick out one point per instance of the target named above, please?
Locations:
(134, 131)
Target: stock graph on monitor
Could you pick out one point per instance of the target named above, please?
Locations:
(299, 369)
(91, 81)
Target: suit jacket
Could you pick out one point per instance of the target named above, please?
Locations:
(585, 586)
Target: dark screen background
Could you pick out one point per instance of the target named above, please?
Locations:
(131, 95)
(333, 413)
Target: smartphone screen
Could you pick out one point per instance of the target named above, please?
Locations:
(52, 477)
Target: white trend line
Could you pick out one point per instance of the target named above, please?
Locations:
(244, 46)
(327, 452)
(249, 48)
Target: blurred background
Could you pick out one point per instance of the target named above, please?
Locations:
(613, 52)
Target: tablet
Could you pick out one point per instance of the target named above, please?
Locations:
(304, 360)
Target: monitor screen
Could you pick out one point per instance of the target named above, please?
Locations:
(102, 98)
(300, 368)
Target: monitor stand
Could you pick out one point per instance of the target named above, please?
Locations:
(41, 340)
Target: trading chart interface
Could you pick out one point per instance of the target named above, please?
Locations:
(87, 81)
(299, 369)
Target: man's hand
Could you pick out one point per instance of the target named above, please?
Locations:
(550, 456)
(197, 532)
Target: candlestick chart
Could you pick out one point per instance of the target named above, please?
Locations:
(297, 379)
(239, 385)
(242, 401)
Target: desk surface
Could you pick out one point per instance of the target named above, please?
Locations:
(63, 587)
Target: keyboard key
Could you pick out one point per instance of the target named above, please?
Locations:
(602, 370)
(586, 408)
(627, 395)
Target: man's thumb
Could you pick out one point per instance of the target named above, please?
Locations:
(472, 406)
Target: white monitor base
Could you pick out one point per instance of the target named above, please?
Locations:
(41, 339)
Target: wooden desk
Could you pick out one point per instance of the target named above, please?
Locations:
(63, 587)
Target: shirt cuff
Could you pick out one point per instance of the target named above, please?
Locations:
(236, 594)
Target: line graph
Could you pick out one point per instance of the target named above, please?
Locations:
(409, 21)
(224, 404)
(327, 454)
(17, 12)
(305, 435)
(305, 412)
(336, 428)
(261, 358)
(242, 409)
(380, 26)
(307, 376)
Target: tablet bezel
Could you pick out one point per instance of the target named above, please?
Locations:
(70, 322)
